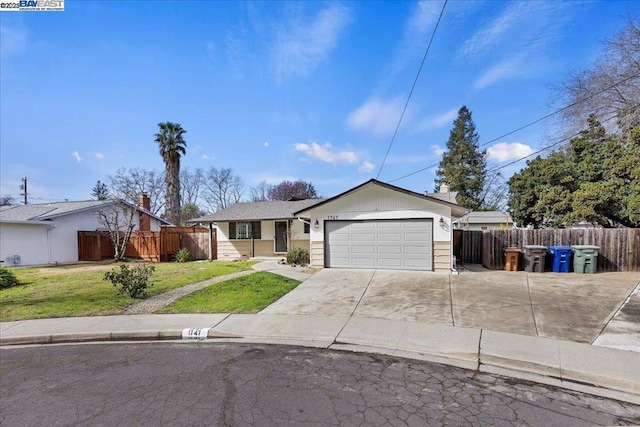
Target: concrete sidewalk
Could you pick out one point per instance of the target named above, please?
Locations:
(607, 372)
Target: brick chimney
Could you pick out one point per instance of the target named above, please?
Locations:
(145, 221)
(444, 187)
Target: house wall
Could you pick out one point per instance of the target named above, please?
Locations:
(265, 246)
(42, 244)
(27, 240)
(486, 226)
(375, 202)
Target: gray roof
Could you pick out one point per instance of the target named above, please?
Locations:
(447, 197)
(257, 211)
(479, 217)
(50, 211)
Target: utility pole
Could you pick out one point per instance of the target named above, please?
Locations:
(23, 187)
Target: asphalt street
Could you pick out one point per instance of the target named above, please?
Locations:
(245, 384)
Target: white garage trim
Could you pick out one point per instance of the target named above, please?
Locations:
(399, 244)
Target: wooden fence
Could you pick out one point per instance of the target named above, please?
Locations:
(619, 247)
(467, 246)
(149, 245)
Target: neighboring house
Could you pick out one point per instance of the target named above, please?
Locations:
(48, 233)
(490, 220)
(259, 229)
(378, 225)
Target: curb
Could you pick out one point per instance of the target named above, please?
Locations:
(487, 361)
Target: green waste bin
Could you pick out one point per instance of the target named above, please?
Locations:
(585, 258)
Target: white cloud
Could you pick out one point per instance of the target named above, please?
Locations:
(422, 18)
(99, 155)
(205, 157)
(483, 39)
(506, 69)
(326, 153)
(438, 150)
(504, 151)
(417, 30)
(76, 156)
(376, 116)
(12, 40)
(439, 120)
(366, 166)
(266, 144)
(301, 46)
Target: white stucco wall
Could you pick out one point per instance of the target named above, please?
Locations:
(27, 240)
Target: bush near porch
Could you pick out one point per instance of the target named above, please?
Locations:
(81, 290)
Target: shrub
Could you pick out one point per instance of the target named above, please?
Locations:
(298, 256)
(7, 278)
(132, 281)
(183, 255)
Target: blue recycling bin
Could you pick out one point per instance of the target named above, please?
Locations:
(561, 258)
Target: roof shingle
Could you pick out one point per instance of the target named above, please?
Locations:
(255, 211)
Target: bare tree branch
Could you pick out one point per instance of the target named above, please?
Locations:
(128, 184)
(118, 220)
(222, 188)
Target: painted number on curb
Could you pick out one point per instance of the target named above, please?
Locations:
(195, 333)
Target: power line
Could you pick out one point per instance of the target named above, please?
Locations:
(415, 81)
(554, 144)
(530, 123)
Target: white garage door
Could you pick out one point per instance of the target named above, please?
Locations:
(392, 244)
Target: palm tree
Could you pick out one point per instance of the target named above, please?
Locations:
(172, 146)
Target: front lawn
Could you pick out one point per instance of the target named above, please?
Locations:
(80, 290)
(246, 294)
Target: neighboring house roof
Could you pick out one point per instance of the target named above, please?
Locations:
(50, 211)
(456, 209)
(259, 211)
(488, 217)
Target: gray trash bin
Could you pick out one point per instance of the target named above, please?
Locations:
(534, 258)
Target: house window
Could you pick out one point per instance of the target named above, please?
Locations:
(307, 228)
(245, 230)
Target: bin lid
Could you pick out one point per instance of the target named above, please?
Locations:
(579, 247)
(512, 249)
(534, 247)
(560, 248)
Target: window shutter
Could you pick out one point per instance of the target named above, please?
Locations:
(256, 228)
(232, 230)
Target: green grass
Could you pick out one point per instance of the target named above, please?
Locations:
(80, 290)
(246, 294)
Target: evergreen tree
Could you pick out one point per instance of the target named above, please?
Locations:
(100, 191)
(463, 166)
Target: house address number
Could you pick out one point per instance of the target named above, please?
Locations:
(332, 216)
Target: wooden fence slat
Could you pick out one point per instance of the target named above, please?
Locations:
(149, 245)
(619, 247)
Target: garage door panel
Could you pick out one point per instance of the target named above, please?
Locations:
(417, 237)
(360, 249)
(389, 225)
(390, 263)
(390, 250)
(391, 244)
(363, 237)
(389, 237)
(362, 262)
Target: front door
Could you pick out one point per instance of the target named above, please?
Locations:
(281, 236)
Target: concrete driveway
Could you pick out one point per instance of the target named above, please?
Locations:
(574, 307)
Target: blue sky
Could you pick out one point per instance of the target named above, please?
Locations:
(279, 90)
